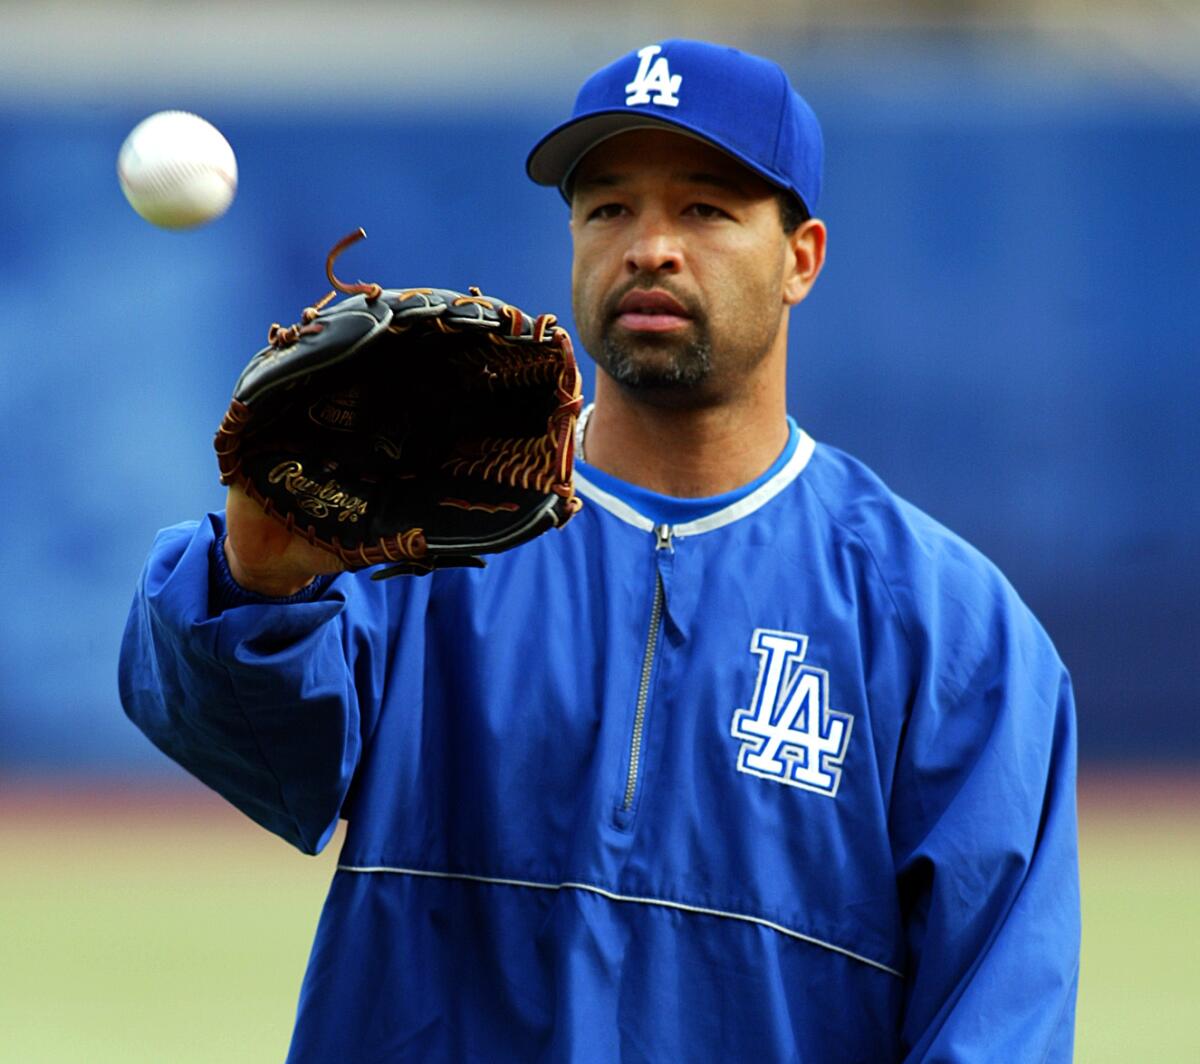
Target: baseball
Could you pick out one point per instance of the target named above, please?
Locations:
(177, 170)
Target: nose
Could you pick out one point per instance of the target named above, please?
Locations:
(654, 247)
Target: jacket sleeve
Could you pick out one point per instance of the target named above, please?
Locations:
(267, 703)
(984, 834)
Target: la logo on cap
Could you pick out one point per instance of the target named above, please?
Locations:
(656, 79)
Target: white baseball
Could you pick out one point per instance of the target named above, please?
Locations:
(177, 170)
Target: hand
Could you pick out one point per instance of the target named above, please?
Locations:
(264, 556)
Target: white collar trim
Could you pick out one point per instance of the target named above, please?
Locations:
(757, 499)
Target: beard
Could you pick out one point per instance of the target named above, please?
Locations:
(650, 362)
(695, 366)
(644, 363)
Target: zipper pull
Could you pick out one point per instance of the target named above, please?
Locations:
(662, 538)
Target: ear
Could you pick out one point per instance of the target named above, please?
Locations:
(805, 257)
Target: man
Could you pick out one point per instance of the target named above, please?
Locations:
(754, 761)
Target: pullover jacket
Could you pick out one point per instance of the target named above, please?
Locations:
(790, 782)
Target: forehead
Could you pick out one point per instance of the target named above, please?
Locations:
(658, 155)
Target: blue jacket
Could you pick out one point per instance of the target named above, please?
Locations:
(791, 782)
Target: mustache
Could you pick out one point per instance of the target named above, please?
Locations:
(646, 284)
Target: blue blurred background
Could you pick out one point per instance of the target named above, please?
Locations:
(1007, 330)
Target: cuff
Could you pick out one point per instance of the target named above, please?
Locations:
(225, 592)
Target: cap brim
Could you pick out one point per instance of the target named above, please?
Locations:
(559, 151)
(556, 155)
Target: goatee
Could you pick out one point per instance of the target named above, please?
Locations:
(674, 364)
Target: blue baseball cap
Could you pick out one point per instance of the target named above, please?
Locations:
(738, 102)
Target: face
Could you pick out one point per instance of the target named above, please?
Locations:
(682, 271)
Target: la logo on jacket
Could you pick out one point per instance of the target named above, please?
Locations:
(789, 734)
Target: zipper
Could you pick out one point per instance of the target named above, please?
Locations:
(662, 541)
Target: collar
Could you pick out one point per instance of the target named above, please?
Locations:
(645, 509)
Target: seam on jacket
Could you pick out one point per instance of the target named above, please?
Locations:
(1068, 997)
(285, 805)
(811, 485)
(223, 664)
(957, 689)
(591, 888)
(862, 540)
(216, 653)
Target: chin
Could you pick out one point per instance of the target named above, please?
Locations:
(656, 367)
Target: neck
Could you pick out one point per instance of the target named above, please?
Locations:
(687, 453)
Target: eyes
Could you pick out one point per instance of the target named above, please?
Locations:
(700, 210)
(605, 212)
(707, 211)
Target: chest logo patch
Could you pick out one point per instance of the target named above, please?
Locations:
(789, 734)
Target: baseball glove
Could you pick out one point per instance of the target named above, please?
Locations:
(418, 427)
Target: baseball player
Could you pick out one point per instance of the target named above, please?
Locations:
(754, 761)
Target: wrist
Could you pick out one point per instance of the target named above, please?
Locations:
(267, 584)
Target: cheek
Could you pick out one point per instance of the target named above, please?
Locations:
(584, 304)
(759, 277)
(744, 302)
(588, 283)
(579, 281)
(737, 286)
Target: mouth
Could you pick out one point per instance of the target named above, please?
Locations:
(651, 310)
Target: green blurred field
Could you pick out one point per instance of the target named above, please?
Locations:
(166, 928)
